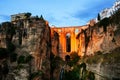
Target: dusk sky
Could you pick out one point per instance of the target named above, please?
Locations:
(56, 12)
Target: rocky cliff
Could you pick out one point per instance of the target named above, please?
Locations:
(55, 43)
(100, 44)
(27, 46)
(105, 66)
(103, 36)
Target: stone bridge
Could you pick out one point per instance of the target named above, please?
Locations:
(67, 38)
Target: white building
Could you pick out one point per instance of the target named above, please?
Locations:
(107, 12)
(116, 5)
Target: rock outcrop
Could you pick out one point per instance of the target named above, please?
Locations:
(55, 43)
(26, 45)
(103, 36)
(105, 66)
(28, 39)
(100, 44)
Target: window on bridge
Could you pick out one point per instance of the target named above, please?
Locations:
(68, 42)
(76, 31)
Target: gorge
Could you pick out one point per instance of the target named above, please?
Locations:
(30, 48)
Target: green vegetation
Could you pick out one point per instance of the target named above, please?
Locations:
(112, 57)
(73, 74)
(5, 68)
(94, 59)
(115, 18)
(98, 17)
(10, 46)
(21, 59)
(20, 66)
(3, 53)
(36, 74)
(104, 22)
(74, 58)
(24, 59)
(56, 62)
(77, 70)
(28, 58)
(9, 29)
(13, 57)
(27, 15)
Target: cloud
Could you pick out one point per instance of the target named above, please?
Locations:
(57, 12)
(91, 9)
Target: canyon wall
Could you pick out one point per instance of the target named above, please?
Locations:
(31, 42)
(26, 46)
(103, 36)
(105, 66)
(55, 43)
(100, 44)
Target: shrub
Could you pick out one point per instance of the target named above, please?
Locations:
(13, 57)
(10, 46)
(104, 23)
(36, 74)
(67, 58)
(3, 53)
(74, 59)
(94, 59)
(98, 53)
(56, 62)
(98, 17)
(19, 67)
(4, 68)
(28, 58)
(91, 76)
(21, 59)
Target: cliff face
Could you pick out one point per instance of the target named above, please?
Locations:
(31, 39)
(105, 72)
(55, 43)
(105, 66)
(100, 43)
(103, 36)
(26, 45)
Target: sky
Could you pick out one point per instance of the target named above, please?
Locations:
(57, 12)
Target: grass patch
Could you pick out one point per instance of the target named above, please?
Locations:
(94, 59)
(112, 57)
(36, 74)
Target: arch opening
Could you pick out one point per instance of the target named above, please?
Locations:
(76, 31)
(68, 42)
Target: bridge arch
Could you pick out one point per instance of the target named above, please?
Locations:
(73, 31)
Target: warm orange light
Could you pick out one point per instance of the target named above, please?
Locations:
(76, 44)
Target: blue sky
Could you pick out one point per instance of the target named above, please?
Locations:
(57, 12)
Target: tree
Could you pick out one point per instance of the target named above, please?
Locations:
(105, 22)
(28, 15)
(41, 17)
(17, 17)
(98, 17)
